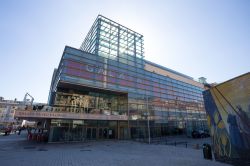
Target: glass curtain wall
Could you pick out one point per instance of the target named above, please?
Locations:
(114, 60)
(114, 41)
(62, 130)
(174, 106)
(91, 103)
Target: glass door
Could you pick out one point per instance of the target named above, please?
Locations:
(102, 133)
(91, 133)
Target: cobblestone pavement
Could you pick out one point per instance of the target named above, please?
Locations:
(16, 151)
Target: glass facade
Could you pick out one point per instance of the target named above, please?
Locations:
(62, 130)
(110, 39)
(110, 78)
(89, 102)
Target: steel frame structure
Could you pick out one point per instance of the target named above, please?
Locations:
(111, 40)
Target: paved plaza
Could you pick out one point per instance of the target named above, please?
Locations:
(16, 151)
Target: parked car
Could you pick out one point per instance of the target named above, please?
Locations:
(200, 134)
(204, 133)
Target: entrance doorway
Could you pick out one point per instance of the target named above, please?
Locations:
(106, 133)
(91, 133)
(80, 130)
(124, 133)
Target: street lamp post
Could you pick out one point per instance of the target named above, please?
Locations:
(149, 139)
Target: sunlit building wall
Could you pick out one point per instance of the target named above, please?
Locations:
(117, 93)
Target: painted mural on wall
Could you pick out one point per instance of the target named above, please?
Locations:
(228, 114)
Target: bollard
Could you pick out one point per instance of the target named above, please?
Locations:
(207, 152)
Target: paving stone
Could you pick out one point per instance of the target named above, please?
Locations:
(104, 153)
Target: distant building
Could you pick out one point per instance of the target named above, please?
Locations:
(7, 110)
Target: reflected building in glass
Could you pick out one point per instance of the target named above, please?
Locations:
(109, 91)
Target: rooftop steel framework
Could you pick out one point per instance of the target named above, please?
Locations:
(110, 39)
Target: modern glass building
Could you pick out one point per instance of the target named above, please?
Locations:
(107, 90)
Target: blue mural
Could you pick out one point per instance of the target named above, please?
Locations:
(228, 114)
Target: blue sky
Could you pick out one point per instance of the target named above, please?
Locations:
(207, 38)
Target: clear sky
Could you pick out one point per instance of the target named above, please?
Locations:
(208, 38)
